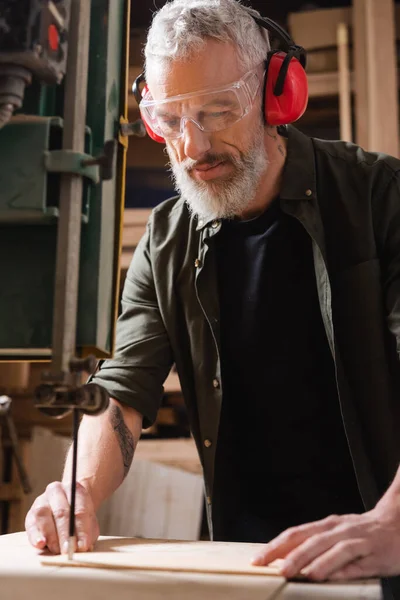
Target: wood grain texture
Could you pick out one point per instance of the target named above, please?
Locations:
(22, 576)
(160, 555)
(376, 78)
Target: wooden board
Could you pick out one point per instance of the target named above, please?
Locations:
(22, 576)
(155, 502)
(376, 76)
(317, 28)
(160, 555)
(180, 453)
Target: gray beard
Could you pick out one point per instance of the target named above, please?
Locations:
(227, 198)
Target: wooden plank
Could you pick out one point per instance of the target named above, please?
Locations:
(326, 84)
(134, 226)
(155, 500)
(136, 216)
(376, 80)
(132, 235)
(22, 575)
(125, 260)
(345, 117)
(161, 555)
(178, 453)
(317, 28)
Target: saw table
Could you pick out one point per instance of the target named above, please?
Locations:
(22, 574)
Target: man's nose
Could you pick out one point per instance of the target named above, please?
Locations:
(196, 142)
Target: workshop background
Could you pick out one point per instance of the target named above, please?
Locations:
(353, 57)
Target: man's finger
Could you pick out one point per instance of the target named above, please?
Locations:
(319, 544)
(40, 526)
(293, 537)
(95, 532)
(85, 519)
(337, 557)
(35, 537)
(60, 509)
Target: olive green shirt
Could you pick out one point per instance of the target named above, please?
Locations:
(349, 203)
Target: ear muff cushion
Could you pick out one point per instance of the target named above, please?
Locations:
(154, 136)
(291, 104)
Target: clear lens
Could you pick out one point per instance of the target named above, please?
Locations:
(210, 111)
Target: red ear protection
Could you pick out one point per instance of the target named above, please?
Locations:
(284, 103)
(285, 83)
(151, 133)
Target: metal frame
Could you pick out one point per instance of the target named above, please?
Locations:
(69, 230)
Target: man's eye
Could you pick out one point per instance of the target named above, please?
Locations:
(169, 122)
(216, 114)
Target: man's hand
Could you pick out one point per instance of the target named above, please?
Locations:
(47, 522)
(341, 547)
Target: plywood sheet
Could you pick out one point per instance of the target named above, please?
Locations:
(159, 555)
(20, 570)
(155, 501)
(180, 453)
(22, 576)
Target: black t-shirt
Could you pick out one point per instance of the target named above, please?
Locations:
(282, 456)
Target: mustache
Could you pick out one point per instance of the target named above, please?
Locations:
(210, 159)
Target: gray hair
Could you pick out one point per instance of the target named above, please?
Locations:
(181, 27)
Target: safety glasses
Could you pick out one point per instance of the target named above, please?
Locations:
(209, 110)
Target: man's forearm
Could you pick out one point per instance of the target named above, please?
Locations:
(105, 450)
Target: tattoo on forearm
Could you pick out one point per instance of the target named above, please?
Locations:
(124, 437)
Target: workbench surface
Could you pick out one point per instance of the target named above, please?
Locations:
(22, 576)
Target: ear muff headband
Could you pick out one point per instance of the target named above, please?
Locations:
(138, 96)
(135, 88)
(285, 83)
(283, 35)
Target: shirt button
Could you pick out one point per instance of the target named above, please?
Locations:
(216, 383)
(208, 443)
(200, 222)
(308, 193)
(197, 263)
(215, 224)
(208, 499)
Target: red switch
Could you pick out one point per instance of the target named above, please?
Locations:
(53, 38)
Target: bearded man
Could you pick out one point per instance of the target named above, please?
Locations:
(272, 282)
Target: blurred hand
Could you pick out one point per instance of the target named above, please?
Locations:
(341, 547)
(47, 522)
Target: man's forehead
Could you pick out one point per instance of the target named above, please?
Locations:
(204, 70)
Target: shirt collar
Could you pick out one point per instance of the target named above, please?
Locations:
(299, 178)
